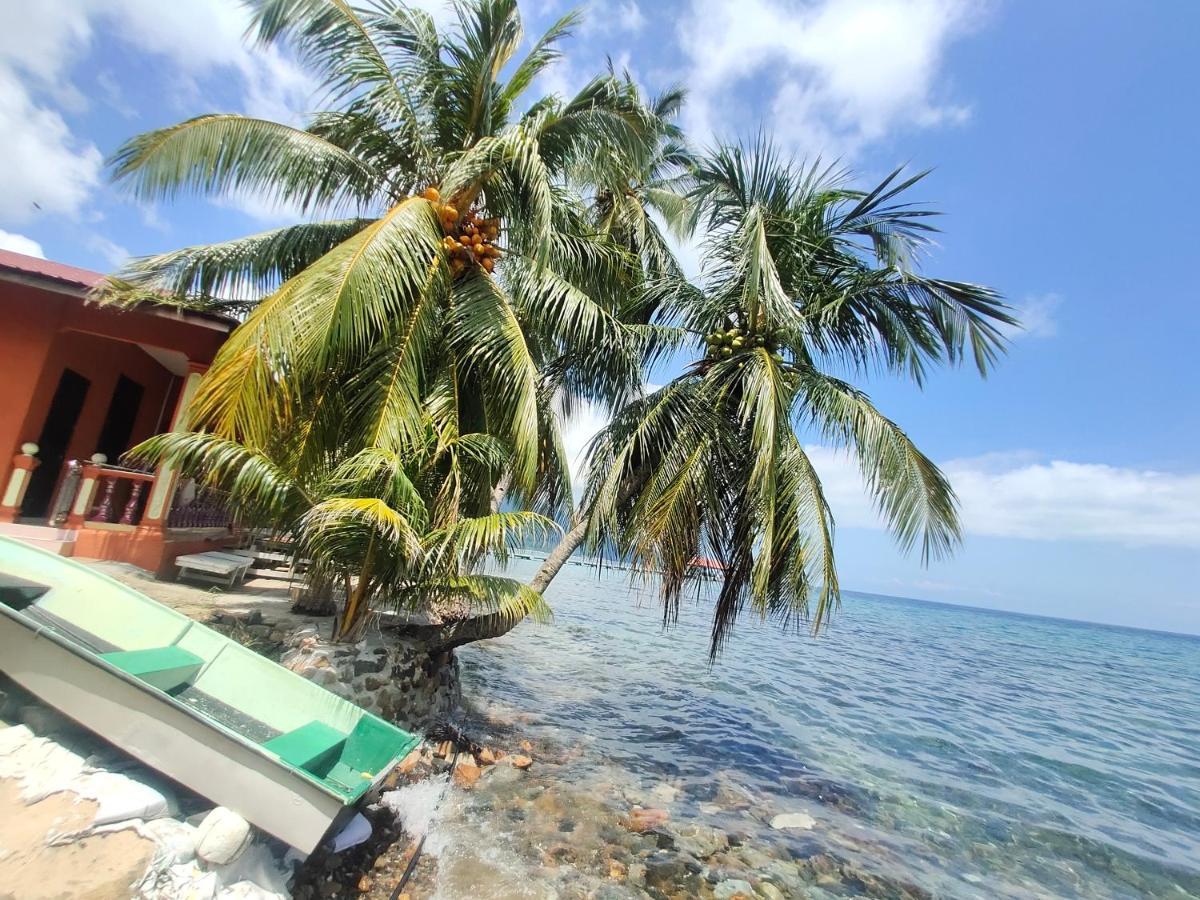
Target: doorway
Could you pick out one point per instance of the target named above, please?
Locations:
(118, 421)
(53, 442)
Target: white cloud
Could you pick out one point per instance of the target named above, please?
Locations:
(1019, 496)
(41, 161)
(839, 73)
(114, 254)
(18, 243)
(43, 167)
(577, 432)
(1038, 317)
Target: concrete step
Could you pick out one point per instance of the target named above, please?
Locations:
(44, 537)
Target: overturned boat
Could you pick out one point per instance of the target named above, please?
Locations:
(246, 733)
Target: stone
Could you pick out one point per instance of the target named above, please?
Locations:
(364, 884)
(617, 870)
(769, 891)
(222, 837)
(410, 762)
(664, 793)
(466, 774)
(734, 887)
(519, 761)
(254, 617)
(486, 756)
(700, 841)
(671, 873)
(371, 683)
(793, 820)
(526, 746)
(368, 666)
(641, 820)
(637, 873)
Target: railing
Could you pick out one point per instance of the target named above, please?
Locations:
(121, 495)
(199, 507)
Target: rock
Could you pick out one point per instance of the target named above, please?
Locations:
(410, 762)
(665, 793)
(671, 873)
(222, 837)
(793, 820)
(641, 820)
(364, 883)
(519, 761)
(700, 841)
(466, 774)
(617, 870)
(526, 746)
(734, 887)
(769, 891)
(486, 756)
(637, 873)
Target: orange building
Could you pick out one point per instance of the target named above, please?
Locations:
(80, 384)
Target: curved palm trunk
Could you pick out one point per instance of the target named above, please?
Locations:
(438, 638)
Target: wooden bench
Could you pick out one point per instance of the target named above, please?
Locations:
(217, 567)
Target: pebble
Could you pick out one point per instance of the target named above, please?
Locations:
(519, 761)
(769, 891)
(734, 887)
(793, 820)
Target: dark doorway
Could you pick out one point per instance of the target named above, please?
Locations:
(118, 422)
(53, 442)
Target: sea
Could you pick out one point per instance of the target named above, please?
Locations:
(926, 750)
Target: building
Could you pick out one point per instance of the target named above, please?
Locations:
(80, 384)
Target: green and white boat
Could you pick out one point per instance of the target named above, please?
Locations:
(248, 734)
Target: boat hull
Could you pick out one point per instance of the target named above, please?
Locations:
(167, 736)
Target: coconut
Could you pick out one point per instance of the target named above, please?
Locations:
(431, 194)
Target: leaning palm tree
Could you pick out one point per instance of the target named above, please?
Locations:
(451, 270)
(801, 273)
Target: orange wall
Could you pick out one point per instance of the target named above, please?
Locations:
(44, 331)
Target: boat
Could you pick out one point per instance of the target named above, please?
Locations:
(248, 734)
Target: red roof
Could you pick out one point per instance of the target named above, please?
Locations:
(705, 562)
(44, 268)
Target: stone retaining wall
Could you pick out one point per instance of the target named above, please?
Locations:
(382, 675)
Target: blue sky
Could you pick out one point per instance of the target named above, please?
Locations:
(1064, 151)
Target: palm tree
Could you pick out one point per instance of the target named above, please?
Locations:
(801, 273)
(451, 273)
(389, 530)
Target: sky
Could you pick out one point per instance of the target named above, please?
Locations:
(1063, 150)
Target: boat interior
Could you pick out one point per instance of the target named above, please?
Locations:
(303, 726)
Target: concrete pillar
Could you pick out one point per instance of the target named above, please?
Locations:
(158, 504)
(18, 482)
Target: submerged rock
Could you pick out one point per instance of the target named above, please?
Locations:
(701, 841)
(734, 887)
(801, 821)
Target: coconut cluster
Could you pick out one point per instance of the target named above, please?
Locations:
(723, 344)
(470, 239)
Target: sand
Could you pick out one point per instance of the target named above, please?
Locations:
(100, 867)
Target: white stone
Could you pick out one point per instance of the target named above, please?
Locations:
(222, 837)
(727, 889)
(768, 890)
(793, 820)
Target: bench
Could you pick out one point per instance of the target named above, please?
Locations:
(214, 566)
(314, 747)
(166, 668)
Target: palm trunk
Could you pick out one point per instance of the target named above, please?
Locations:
(357, 604)
(558, 557)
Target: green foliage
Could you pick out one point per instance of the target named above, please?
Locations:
(391, 372)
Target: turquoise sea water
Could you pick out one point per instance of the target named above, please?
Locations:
(970, 753)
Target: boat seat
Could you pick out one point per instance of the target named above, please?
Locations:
(314, 747)
(166, 668)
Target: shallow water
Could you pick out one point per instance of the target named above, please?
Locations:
(962, 752)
